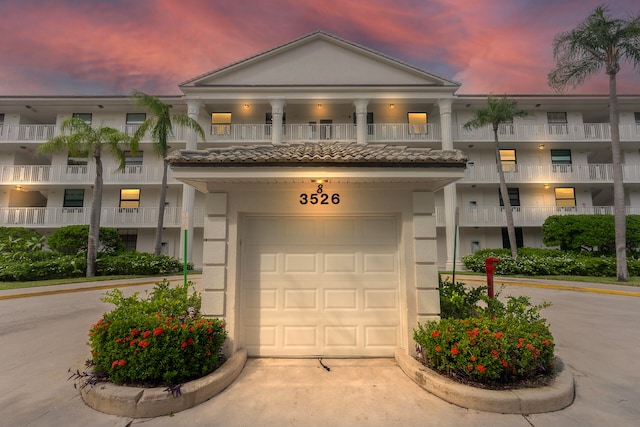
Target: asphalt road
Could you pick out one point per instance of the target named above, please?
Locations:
(597, 335)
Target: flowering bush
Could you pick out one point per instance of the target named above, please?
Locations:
(487, 350)
(485, 340)
(159, 340)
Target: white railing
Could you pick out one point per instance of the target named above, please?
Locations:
(378, 132)
(74, 174)
(390, 132)
(110, 217)
(548, 132)
(576, 173)
(523, 216)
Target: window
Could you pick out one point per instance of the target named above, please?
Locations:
(561, 160)
(73, 199)
(129, 199)
(557, 123)
(132, 164)
(220, 123)
(134, 120)
(514, 197)
(417, 123)
(129, 239)
(87, 117)
(508, 160)
(636, 116)
(76, 165)
(519, 238)
(565, 196)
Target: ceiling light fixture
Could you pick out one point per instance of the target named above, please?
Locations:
(541, 147)
(392, 106)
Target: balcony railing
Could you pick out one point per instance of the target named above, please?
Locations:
(576, 173)
(110, 217)
(596, 132)
(378, 132)
(523, 216)
(75, 174)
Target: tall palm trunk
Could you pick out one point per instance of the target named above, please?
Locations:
(94, 220)
(618, 185)
(508, 211)
(163, 198)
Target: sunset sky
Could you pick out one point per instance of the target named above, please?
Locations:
(111, 47)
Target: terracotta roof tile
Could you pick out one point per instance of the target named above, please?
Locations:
(316, 154)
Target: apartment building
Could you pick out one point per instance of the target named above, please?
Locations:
(330, 183)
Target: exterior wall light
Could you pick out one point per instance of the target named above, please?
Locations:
(392, 106)
(541, 147)
(546, 186)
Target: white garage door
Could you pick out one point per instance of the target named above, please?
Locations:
(320, 286)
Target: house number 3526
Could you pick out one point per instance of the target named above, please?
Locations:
(319, 197)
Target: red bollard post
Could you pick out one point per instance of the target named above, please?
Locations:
(490, 268)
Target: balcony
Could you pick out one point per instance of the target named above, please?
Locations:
(549, 174)
(583, 132)
(45, 174)
(523, 216)
(110, 217)
(378, 132)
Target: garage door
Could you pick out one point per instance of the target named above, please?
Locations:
(324, 286)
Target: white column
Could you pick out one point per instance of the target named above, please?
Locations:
(450, 197)
(361, 120)
(277, 110)
(188, 192)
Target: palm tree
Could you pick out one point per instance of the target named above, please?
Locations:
(498, 111)
(160, 124)
(601, 42)
(84, 140)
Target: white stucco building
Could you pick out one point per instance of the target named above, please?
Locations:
(323, 200)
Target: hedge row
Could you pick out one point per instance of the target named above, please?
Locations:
(544, 262)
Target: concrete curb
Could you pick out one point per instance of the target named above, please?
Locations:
(138, 402)
(557, 396)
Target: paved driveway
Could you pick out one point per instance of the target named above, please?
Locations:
(597, 335)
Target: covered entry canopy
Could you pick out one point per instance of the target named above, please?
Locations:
(297, 163)
(319, 249)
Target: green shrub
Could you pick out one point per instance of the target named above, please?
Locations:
(459, 301)
(132, 262)
(155, 341)
(499, 350)
(41, 265)
(74, 239)
(18, 240)
(544, 262)
(484, 340)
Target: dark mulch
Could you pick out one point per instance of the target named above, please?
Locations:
(540, 380)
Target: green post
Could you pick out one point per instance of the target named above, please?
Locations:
(185, 257)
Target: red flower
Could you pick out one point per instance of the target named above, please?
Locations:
(494, 353)
(119, 340)
(146, 334)
(498, 335)
(438, 348)
(436, 334)
(454, 351)
(546, 342)
(157, 331)
(529, 346)
(143, 344)
(183, 345)
(122, 362)
(132, 343)
(134, 332)
(473, 358)
(504, 363)
(114, 364)
(481, 368)
(175, 327)
(470, 367)
(486, 331)
(208, 352)
(190, 341)
(209, 330)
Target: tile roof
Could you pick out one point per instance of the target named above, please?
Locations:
(320, 154)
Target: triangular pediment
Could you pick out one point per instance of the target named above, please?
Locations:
(318, 59)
